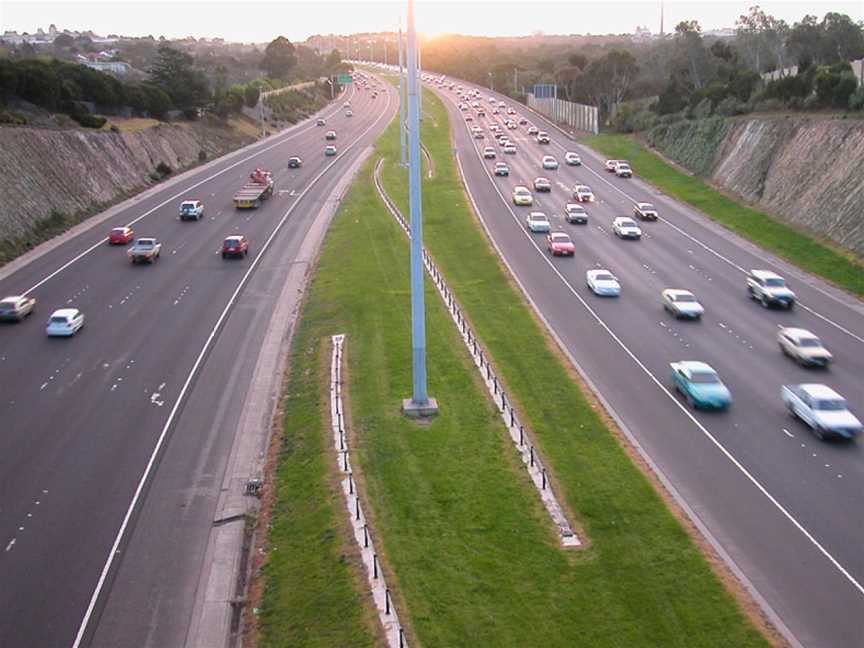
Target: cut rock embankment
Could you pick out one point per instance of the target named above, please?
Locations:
(45, 172)
(805, 171)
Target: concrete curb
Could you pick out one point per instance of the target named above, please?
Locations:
(387, 614)
(216, 596)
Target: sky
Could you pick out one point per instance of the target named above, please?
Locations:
(261, 21)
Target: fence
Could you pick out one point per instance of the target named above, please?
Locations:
(362, 534)
(527, 451)
(577, 116)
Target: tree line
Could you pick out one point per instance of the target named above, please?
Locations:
(176, 81)
(681, 74)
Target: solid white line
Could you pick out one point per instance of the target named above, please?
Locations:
(172, 198)
(671, 397)
(192, 373)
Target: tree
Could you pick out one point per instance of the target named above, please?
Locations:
(64, 41)
(334, 61)
(691, 61)
(279, 58)
(804, 41)
(608, 78)
(835, 84)
(175, 73)
(843, 41)
(577, 59)
(251, 93)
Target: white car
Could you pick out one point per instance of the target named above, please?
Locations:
(549, 162)
(625, 227)
(575, 213)
(572, 159)
(543, 138)
(489, 153)
(512, 125)
(603, 283)
(532, 130)
(623, 170)
(349, 113)
(510, 148)
(501, 169)
(191, 209)
(65, 322)
(804, 347)
(583, 193)
(611, 164)
(522, 196)
(538, 223)
(682, 303)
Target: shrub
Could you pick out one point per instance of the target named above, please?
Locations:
(114, 128)
(728, 107)
(9, 117)
(769, 105)
(834, 85)
(856, 99)
(702, 109)
(89, 121)
(202, 155)
(163, 170)
(799, 86)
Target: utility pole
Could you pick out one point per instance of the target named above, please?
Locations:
(385, 49)
(419, 73)
(419, 404)
(403, 133)
(516, 80)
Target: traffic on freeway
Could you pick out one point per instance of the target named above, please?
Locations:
(124, 373)
(694, 339)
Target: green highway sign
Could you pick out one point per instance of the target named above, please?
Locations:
(344, 78)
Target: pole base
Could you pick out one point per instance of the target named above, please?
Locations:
(416, 410)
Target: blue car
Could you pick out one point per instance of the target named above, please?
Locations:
(700, 385)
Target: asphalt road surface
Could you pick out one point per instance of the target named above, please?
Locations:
(786, 508)
(81, 417)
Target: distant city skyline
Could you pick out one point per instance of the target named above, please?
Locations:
(258, 21)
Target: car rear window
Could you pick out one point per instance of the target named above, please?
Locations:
(58, 320)
(703, 377)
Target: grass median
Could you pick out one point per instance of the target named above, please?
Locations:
(836, 266)
(469, 550)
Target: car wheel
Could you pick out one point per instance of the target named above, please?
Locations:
(245, 253)
(691, 401)
(750, 293)
(224, 256)
(764, 301)
(818, 432)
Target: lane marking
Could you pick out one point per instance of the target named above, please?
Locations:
(101, 242)
(193, 372)
(735, 462)
(727, 260)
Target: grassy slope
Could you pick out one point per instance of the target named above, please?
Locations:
(776, 237)
(476, 561)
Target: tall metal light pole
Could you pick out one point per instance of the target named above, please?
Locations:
(403, 133)
(419, 404)
(419, 74)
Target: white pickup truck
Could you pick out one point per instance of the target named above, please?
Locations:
(822, 409)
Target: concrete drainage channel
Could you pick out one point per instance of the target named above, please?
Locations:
(527, 451)
(362, 534)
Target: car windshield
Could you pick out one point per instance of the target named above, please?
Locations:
(703, 377)
(604, 277)
(7, 304)
(830, 405)
(623, 166)
(683, 298)
(813, 343)
(647, 206)
(145, 244)
(775, 282)
(561, 238)
(118, 230)
(627, 223)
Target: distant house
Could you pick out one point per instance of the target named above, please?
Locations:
(12, 37)
(117, 67)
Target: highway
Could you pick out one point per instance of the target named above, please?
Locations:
(152, 386)
(782, 507)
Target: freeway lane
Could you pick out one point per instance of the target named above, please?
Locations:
(82, 416)
(622, 345)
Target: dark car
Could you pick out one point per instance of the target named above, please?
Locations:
(294, 162)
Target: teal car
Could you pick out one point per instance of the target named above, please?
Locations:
(700, 385)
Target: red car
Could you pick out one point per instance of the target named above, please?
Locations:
(120, 235)
(235, 246)
(559, 244)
